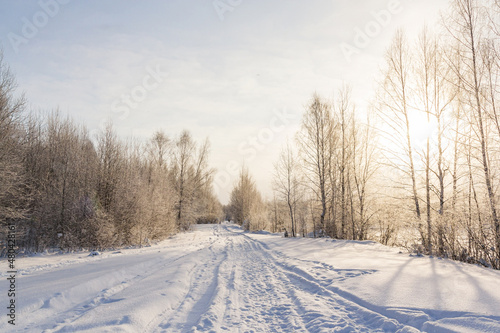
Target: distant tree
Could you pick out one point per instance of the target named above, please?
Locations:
(287, 183)
(191, 177)
(109, 151)
(161, 193)
(277, 214)
(246, 202)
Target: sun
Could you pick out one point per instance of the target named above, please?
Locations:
(422, 127)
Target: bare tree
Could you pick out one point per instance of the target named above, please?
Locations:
(287, 183)
(191, 177)
(245, 202)
(434, 97)
(314, 141)
(275, 214)
(183, 155)
(11, 177)
(345, 112)
(466, 25)
(426, 54)
(109, 152)
(159, 192)
(363, 170)
(395, 111)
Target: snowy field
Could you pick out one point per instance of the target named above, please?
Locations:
(219, 279)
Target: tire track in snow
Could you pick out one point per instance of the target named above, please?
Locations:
(57, 313)
(250, 300)
(322, 309)
(372, 316)
(232, 283)
(106, 296)
(57, 319)
(225, 297)
(317, 312)
(203, 287)
(239, 294)
(268, 306)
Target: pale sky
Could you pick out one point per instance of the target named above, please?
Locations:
(236, 71)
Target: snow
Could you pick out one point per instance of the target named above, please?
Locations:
(218, 278)
(94, 253)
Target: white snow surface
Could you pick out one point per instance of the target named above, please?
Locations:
(218, 278)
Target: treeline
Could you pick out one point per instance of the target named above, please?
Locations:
(419, 169)
(320, 183)
(449, 79)
(61, 188)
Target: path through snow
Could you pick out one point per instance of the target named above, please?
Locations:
(215, 279)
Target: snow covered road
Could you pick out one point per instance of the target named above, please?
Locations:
(220, 279)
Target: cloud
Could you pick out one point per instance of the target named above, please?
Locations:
(225, 78)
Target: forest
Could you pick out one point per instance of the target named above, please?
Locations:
(418, 169)
(62, 189)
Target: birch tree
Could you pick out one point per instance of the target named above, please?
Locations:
(466, 25)
(314, 140)
(287, 183)
(394, 109)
